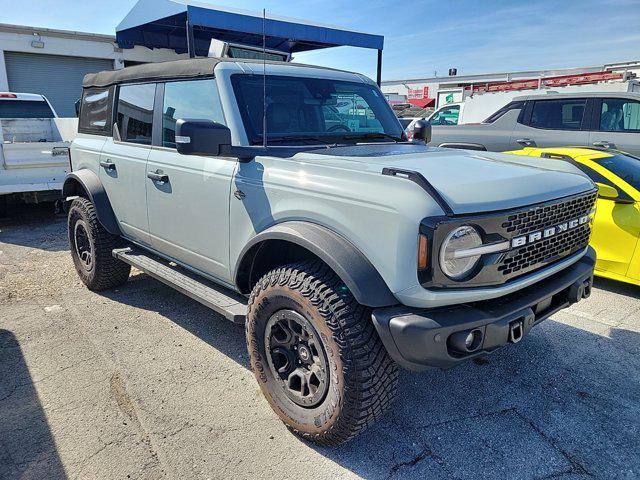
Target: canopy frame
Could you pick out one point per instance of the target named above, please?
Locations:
(186, 26)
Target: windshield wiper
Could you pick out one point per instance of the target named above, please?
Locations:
(371, 135)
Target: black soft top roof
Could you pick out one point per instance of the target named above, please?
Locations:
(188, 68)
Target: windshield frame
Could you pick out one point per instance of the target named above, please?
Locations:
(383, 114)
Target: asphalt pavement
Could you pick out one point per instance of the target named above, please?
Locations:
(143, 382)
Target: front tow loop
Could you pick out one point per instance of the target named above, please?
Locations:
(516, 331)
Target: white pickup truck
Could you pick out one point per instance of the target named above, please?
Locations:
(34, 149)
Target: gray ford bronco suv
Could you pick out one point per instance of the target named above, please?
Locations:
(346, 250)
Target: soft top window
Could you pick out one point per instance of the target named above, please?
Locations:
(95, 111)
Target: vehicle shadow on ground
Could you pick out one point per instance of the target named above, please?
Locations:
(35, 226)
(27, 447)
(614, 286)
(564, 401)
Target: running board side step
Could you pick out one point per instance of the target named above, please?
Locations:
(228, 303)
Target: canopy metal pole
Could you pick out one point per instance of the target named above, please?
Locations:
(379, 67)
(191, 44)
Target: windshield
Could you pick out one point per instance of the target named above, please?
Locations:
(625, 167)
(314, 110)
(25, 109)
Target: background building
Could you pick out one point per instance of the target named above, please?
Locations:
(54, 62)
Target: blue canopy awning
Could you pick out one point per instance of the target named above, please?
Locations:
(163, 24)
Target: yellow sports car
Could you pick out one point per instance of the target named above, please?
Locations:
(616, 230)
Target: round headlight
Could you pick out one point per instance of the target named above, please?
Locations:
(457, 266)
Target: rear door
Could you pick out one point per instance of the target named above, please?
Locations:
(617, 124)
(124, 159)
(552, 123)
(189, 210)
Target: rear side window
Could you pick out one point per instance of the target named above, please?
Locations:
(95, 111)
(509, 106)
(563, 114)
(134, 113)
(25, 109)
(195, 99)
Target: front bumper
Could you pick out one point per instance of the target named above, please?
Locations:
(421, 338)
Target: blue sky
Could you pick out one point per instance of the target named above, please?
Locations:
(421, 36)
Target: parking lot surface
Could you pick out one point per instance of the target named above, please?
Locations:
(142, 382)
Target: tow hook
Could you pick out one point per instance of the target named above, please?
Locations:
(516, 331)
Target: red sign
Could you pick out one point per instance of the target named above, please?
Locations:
(418, 93)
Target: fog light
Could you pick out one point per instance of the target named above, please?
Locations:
(467, 341)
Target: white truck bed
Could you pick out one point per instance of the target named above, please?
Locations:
(34, 154)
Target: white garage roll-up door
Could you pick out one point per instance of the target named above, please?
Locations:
(57, 77)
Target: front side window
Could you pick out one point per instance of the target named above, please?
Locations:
(623, 166)
(446, 116)
(95, 111)
(620, 115)
(563, 114)
(135, 113)
(316, 110)
(195, 100)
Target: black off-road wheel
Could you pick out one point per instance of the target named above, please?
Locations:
(91, 246)
(316, 354)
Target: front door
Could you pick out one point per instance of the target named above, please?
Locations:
(187, 195)
(123, 161)
(552, 123)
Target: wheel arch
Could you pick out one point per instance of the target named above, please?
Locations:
(292, 241)
(85, 183)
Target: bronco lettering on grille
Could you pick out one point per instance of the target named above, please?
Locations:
(548, 232)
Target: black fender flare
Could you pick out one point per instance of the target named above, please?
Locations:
(345, 259)
(91, 185)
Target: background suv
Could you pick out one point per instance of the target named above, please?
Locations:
(609, 120)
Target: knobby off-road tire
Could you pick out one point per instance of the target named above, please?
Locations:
(314, 304)
(91, 247)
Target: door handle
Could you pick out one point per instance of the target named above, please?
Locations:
(526, 142)
(158, 176)
(604, 144)
(109, 166)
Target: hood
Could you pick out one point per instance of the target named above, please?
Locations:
(473, 182)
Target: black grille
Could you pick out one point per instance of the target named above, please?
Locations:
(530, 257)
(549, 215)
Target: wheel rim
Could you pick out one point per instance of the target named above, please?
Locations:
(83, 245)
(297, 358)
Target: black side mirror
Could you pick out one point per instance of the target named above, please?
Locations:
(422, 131)
(202, 137)
(77, 104)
